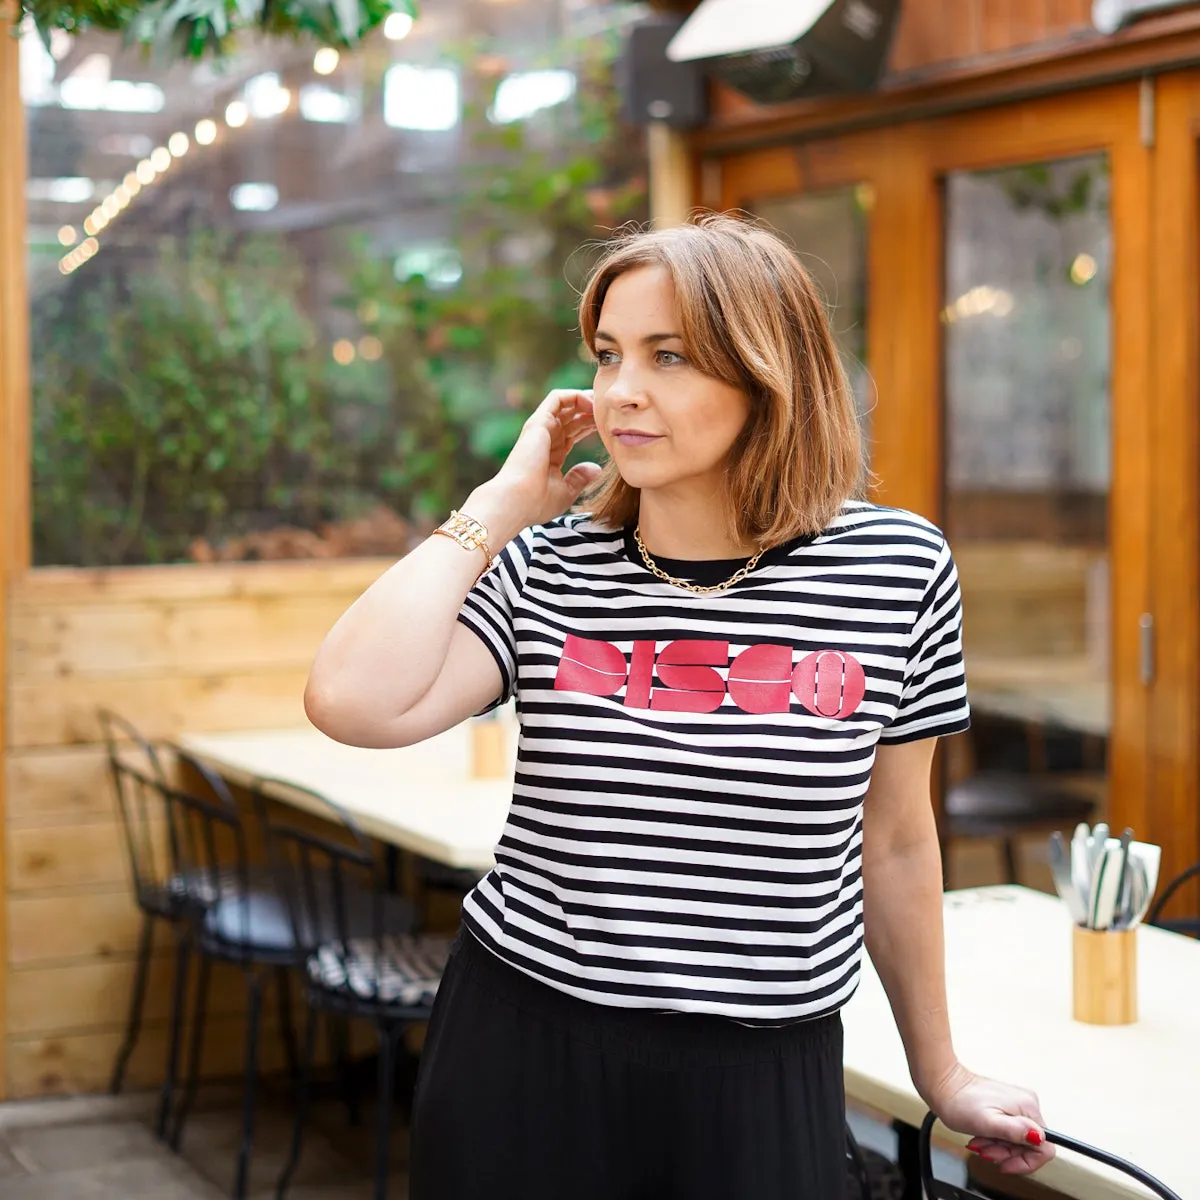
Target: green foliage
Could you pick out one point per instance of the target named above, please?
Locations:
(482, 354)
(199, 28)
(186, 398)
(187, 394)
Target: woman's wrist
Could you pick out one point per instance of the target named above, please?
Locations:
(937, 1087)
(504, 513)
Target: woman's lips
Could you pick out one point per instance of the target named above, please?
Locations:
(637, 439)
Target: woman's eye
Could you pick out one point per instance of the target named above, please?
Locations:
(669, 358)
(605, 358)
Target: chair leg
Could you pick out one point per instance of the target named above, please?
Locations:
(303, 1083)
(192, 1080)
(387, 1084)
(1010, 860)
(339, 1037)
(287, 1026)
(183, 959)
(254, 983)
(134, 1025)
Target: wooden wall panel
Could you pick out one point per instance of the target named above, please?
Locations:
(50, 781)
(933, 33)
(110, 640)
(67, 855)
(79, 996)
(81, 923)
(57, 712)
(64, 1064)
(172, 649)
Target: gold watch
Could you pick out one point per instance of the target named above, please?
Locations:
(469, 533)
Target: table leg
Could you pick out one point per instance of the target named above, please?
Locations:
(908, 1158)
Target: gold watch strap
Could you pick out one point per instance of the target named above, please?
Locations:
(469, 533)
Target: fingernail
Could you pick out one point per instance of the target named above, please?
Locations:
(1033, 1138)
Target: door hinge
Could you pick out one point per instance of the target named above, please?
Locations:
(1146, 649)
(1147, 111)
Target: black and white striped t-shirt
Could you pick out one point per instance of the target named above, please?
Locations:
(686, 824)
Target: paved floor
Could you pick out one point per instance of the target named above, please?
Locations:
(103, 1148)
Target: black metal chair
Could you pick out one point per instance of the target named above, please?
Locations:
(870, 1176)
(1006, 805)
(935, 1189)
(357, 964)
(238, 916)
(159, 890)
(1189, 925)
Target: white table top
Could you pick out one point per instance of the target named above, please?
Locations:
(420, 798)
(1132, 1090)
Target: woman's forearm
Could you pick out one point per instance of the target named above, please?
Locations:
(387, 648)
(902, 898)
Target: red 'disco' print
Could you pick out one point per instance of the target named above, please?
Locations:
(695, 675)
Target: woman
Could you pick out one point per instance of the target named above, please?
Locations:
(730, 676)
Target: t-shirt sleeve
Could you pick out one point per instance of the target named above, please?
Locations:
(489, 608)
(933, 700)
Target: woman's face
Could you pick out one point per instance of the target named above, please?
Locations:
(662, 421)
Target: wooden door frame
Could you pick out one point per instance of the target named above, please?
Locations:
(1154, 755)
(1174, 717)
(15, 528)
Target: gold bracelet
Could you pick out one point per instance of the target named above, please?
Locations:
(470, 534)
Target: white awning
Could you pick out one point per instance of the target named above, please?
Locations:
(720, 27)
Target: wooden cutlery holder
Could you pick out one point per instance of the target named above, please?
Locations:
(1105, 976)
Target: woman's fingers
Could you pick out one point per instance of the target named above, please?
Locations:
(562, 403)
(565, 434)
(578, 429)
(1011, 1158)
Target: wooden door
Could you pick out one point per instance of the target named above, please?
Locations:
(1034, 396)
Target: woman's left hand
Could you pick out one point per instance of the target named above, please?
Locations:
(1005, 1121)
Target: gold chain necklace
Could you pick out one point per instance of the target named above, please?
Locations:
(654, 568)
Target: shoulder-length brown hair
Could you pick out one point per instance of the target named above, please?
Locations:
(750, 315)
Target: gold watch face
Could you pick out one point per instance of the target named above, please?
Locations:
(469, 532)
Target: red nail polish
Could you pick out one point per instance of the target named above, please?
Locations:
(1033, 1138)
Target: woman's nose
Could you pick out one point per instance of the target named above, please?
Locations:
(625, 391)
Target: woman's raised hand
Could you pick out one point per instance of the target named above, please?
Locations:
(531, 487)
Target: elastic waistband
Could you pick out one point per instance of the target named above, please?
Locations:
(666, 1038)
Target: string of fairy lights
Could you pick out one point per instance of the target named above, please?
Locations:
(145, 175)
(206, 133)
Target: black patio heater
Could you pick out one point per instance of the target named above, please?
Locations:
(776, 50)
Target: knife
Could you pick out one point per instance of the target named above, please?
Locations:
(1097, 845)
(1064, 882)
(1104, 892)
(1121, 901)
(1080, 872)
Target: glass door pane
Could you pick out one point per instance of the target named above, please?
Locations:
(1027, 474)
(829, 232)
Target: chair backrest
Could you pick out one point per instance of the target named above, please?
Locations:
(1190, 925)
(335, 890)
(208, 843)
(936, 1190)
(135, 768)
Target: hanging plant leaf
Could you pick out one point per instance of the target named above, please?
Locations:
(205, 28)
